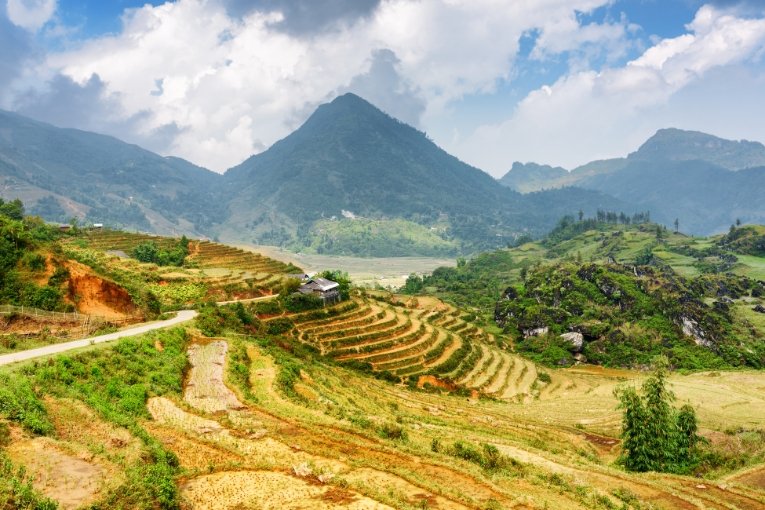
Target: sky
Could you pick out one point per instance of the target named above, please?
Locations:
(558, 82)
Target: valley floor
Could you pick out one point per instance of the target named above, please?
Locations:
(365, 272)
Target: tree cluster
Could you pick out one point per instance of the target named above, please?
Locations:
(152, 252)
(656, 436)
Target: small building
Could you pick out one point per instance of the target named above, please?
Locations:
(327, 290)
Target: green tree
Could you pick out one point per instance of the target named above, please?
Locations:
(655, 435)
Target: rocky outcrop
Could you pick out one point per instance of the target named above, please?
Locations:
(575, 339)
(528, 333)
(692, 329)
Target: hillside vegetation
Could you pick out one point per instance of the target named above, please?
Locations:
(379, 401)
(620, 293)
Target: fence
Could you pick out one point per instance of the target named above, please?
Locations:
(36, 312)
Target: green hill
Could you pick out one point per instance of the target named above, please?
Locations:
(531, 176)
(630, 290)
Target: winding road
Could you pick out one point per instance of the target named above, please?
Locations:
(180, 317)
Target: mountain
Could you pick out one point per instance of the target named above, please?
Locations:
(65, 173)
(705, 182)
(350, 160)
(351, 180)
(531, 176)
(678, 145)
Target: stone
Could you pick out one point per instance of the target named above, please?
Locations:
(575, 339)
(528, 333)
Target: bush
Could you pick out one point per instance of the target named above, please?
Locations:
(656, 436)
(392, 431)
(298, 302)
(279, 326)
(19, 403)
(150, 251)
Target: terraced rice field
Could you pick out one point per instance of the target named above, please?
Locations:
(218, 265)
(430, 343)
(310, 456)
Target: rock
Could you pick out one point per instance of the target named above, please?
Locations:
(575, 339)
(691, 328)
(581, 358)
(528, 333)
(302, 470)
(759, 309)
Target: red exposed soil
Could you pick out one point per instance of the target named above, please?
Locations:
(97, 296)
(436, 383)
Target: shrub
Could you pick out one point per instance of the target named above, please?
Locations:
(297, 302)
(279, 326)
(392, 431)
(656, 436)
(19, 403)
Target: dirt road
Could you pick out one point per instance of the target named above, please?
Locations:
(181, 316)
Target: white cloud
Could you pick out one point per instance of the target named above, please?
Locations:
(216, 88)
(589, 114)
(233, 86)
(30, 14)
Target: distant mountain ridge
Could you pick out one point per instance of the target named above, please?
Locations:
(350, 160)
(64, 173)
(678, 145)
(705, 182)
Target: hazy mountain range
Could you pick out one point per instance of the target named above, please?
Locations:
(704, 181)
(354, 180)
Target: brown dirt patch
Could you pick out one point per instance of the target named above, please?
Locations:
(71, 480)
(265, 490)
(753, 478)
(96, 296)
(28, 325)
(436, 383)
(602, 443)
(77, 423)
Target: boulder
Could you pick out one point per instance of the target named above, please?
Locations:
(528, 333)
(691, 328)
(575, 339)
(759, 308)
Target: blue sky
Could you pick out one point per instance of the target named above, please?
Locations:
(559, 82)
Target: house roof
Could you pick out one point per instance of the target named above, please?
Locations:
(324, 284)
(321, 284)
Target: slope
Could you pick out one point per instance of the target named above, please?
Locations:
(350, 160)
(704, 181)
(64, 173)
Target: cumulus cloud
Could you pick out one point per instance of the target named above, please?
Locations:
(90, 107)
(30, 14)
(591, 114)
(215, 81)
(306, 17)
(383, 86)
(17, 48)
(235, 82)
